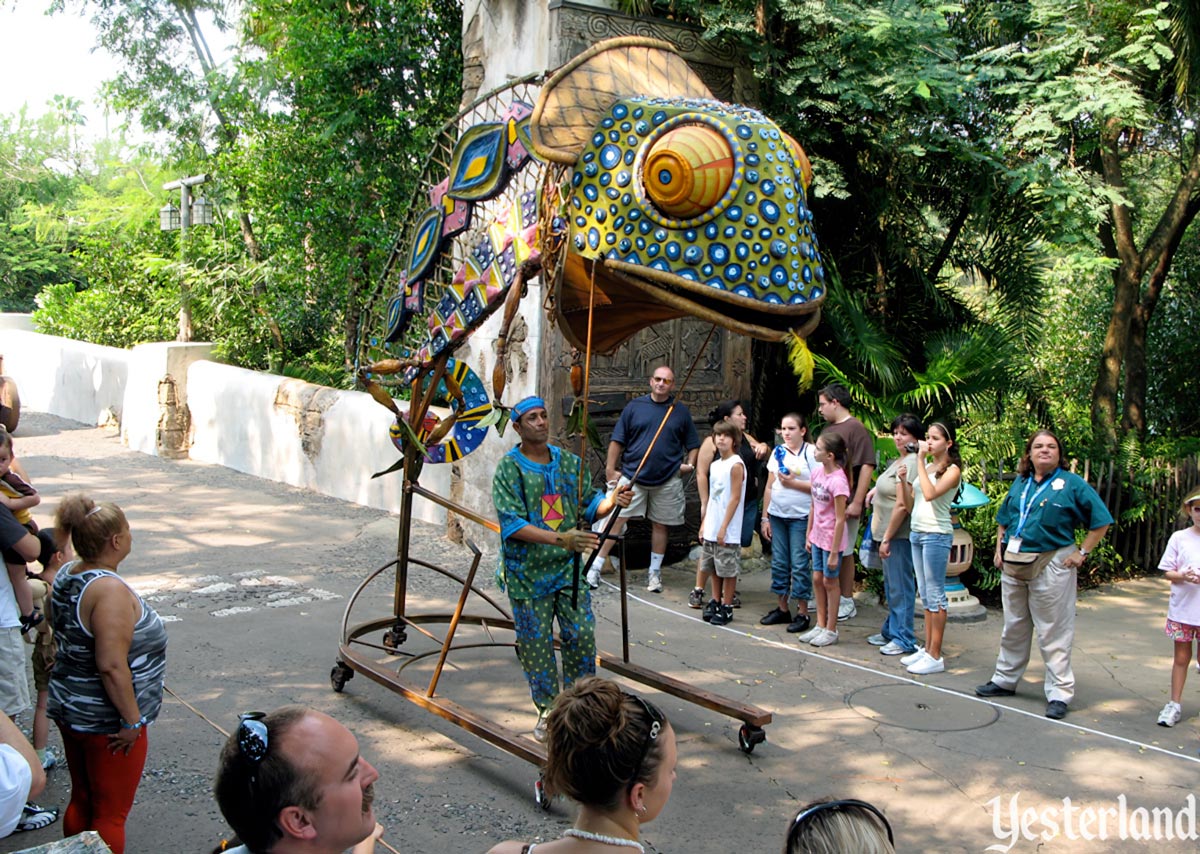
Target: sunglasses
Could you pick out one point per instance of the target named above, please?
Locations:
(252, 736)
(655, 730)
(838, 806)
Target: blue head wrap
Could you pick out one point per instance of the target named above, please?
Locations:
(521, 407)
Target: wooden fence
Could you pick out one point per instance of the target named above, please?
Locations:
(1143, 500)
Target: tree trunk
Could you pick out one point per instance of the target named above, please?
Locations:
(1105, 409)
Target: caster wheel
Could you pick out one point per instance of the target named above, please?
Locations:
(539, 795)
(339, 676)
(749, 737)
(394, 638)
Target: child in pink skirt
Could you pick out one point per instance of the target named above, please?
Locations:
(1181, 564)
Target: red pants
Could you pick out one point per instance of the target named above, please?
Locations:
(103, 784)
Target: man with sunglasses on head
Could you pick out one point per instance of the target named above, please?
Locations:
(293, 782)
(659, 430)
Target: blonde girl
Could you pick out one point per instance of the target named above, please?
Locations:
(1181, 565)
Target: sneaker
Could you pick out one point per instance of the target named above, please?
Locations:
(696, 598)
(876, 640)
(847, 610)
(593, 577)
(49, 760)
(654, 582)
(723, 616)
(1170, 714)
(893, 648)
(826, 638)
(711, 608)
(927, 665)
(737, 600)
(812, 606)
(539, 729)
(34, 817)
(808, 636)
(775, 617)
(800, 624)
(913, 656)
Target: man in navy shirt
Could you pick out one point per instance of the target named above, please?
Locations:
(658, 488)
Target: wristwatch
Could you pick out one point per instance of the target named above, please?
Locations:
(1083, 552)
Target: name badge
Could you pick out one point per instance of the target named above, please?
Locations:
(1014, 545)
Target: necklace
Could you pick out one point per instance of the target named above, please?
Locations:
(604, 840)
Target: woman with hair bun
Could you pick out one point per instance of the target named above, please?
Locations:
(614, 754)
(106, 687)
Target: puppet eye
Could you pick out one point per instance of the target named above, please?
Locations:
(688, 170)
(801, 159)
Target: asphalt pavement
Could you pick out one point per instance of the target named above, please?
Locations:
(254, 577)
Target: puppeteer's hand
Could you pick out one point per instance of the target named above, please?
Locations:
(624, 495)
(576, 540)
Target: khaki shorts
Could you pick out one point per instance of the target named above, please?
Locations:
(14, 680)
(852, 525)
(726, 561)
(44, 653)
(663, 504)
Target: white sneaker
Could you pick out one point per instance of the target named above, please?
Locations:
(913, 657)
(927, 665)
(593, 577)
(892, 648)
(654, 582)
(1170, 714)
(877, 640)
(847, 610)
(539, 729)
(810, 634)
(826, 638)
(812, 609)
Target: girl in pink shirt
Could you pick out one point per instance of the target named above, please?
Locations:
(831, 487)
(1181, 564)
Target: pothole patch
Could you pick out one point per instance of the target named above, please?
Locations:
(917, 708)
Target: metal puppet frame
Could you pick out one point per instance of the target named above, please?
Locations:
(387, 368)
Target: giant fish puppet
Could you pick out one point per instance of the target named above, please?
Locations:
(651, 201)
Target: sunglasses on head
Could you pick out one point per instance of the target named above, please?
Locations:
(652, 733)
(839, 806)
(252, 736)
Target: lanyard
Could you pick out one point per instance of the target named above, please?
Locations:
(1024, 507)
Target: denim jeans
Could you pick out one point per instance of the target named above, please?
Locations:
(900, 585)
(749, 523)
(821, 564)
(930, 556)
(790, 574)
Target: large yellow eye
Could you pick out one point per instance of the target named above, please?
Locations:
(801, 159)
(688, 170)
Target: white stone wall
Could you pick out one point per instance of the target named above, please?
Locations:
(73, 379)
(327, 440)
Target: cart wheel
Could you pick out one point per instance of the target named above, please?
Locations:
(749, 737)
(394, 637)
(339, 676)
(539, 795)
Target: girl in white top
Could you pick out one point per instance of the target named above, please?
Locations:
(1181, 564)
(787, 502)
(931, 535)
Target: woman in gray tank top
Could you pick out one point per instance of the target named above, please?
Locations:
(106, 688)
